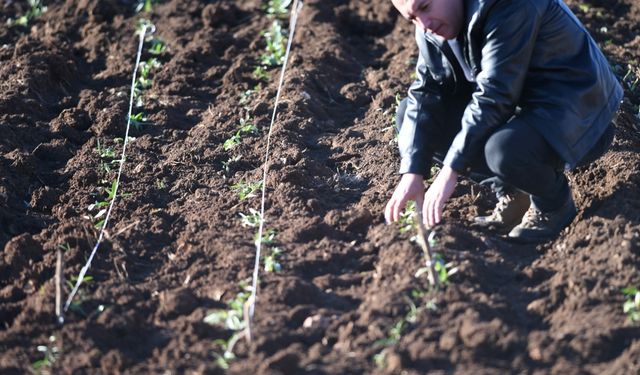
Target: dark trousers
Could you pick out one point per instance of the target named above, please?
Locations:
(516, 156)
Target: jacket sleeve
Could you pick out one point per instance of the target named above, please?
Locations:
(509, 36)
(423, 102)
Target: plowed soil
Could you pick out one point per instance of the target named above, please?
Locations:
(176, 249)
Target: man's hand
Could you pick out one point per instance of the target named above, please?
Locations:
(439, 192)
(410, 187)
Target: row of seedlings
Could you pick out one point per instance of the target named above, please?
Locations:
(109, 161)
(234, 318)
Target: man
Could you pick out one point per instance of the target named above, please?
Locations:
(513, 91)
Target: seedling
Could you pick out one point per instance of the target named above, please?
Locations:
(246, 190)
(246, 95)
(277, 8)
(260, 73)
(50, 353)
(394, 335)
(443, 269)
(396, 106)
(631, 80)
(111, 191)
(145, 6)
(64, 247)
(631, 306)
(268, 237)
(147, 66)
(275, 49)
(36, 10)
(252, 219)
(226, 165)
(271, 263)
(142, 24)
(231, 319)
(157, 47)
(232, 142)
(247, 126)
(138, 120)
(407, 220)
(77, 305)
(105, 152)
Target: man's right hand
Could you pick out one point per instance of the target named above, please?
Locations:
(410, 188)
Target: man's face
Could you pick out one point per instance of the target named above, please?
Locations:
(440, 17)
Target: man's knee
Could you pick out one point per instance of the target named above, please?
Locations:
(500, 154)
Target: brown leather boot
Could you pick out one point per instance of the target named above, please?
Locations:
(507, 213)
(538, 226)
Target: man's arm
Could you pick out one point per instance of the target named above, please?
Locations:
(424, 105)
(510, 33)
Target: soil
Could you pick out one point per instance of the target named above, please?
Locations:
(175, 249)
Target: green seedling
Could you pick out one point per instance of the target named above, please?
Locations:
(584, 7)
(246, 190)
(144, 83)
(105, 152)
(246, 95)
(74, 279)
(50, 353)
(77, 305)
(226, 165)
(157, 47)
(144, 6)
(275, 49)
(36, 9)
(147, 66)
(111, 192)
(232, 142)
(268, 237)
(252, 219)
(64, 247)
(396, 106)
(246, 126)
(631, 306)
(443, 270)
(277, 8)
(160, 184)
(231, 319)
(138, 120)
(142, 24)
(271, 263)
(435, 169)
(119, 140)
(407, 220)
(260, 73)
(631, 79)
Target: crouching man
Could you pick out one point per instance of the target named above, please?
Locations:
(512, 92)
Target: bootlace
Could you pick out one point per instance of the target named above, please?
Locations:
(534, 218)
(503, 203)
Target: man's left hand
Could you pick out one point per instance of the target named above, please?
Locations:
(437, 194)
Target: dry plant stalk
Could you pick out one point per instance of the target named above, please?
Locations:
(58, 281)
(424, 244)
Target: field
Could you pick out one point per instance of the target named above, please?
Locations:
(338, 292)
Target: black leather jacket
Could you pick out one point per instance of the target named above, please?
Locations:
(532, 54)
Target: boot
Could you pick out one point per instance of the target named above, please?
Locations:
(508, 211)
(538, 226)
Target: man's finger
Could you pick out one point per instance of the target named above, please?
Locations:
(398, 208)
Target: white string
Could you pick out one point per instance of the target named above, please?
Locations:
(295, 10)
(86, 267)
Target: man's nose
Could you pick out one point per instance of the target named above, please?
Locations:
(422, 22)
